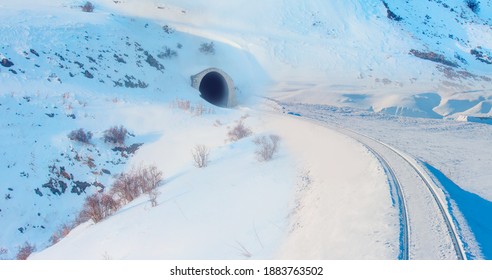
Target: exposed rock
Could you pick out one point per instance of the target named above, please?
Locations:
(6, 63)
(432, 56)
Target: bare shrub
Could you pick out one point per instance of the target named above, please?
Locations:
(153, 194)
(61, 232)
(115, 135)
(25, 251)
(106, 256)
(128, 186)
(184, 105)
(207, 48)
(304, 180)
(200, 156)
(239, 131)
(99, 206)
(217, 123)
(80, 135)
(3, 251)
(152, 178)
(181, 104)
(168, 29)
(243, 250)
(167, 53)
(88, 7)
(266, 147)
(197, 109)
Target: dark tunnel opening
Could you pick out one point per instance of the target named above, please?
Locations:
(213, 88)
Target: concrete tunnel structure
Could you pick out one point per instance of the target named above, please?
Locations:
(216, 87)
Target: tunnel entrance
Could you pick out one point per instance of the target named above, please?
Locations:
(213, 88)
(216, 87)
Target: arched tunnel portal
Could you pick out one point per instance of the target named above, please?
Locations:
(215, 86)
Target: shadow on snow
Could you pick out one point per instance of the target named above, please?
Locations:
(476, 210)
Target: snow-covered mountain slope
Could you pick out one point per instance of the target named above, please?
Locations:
(65, 70)
(376, 55)
(238, 208)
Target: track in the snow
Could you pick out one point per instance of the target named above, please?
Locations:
(395, 184)
(414, 233)
(460, 254)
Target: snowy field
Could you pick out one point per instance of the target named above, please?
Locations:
(238, 208)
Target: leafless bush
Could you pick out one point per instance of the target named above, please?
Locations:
(239, 131)
(153, 194)
(167, 53)
(88, 7)
(197, 109)
(217, 123)
(200, 156)
(304, 180)
(106, 256)
(115, 135)
(62, 231)
(152, 178)
(25, 251)
(99, 206)
(128, 186)
(168, 29)
(207, 48)
(243, 250)
(181, 104)
(266, 147)
(3, 251)
(80, 135)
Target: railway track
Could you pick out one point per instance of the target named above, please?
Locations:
(407, 222)
(427, 230)
(400, 200)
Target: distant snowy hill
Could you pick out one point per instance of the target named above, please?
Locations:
(129, 63)
(414, 58)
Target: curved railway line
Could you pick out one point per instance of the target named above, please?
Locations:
(430, 185)
(408, 223)
(427, 230)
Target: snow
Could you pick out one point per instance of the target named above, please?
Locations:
(350, 35)
(222, 212)
(328, 222)
(453, 151)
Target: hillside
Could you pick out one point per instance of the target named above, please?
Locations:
(424, 59)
